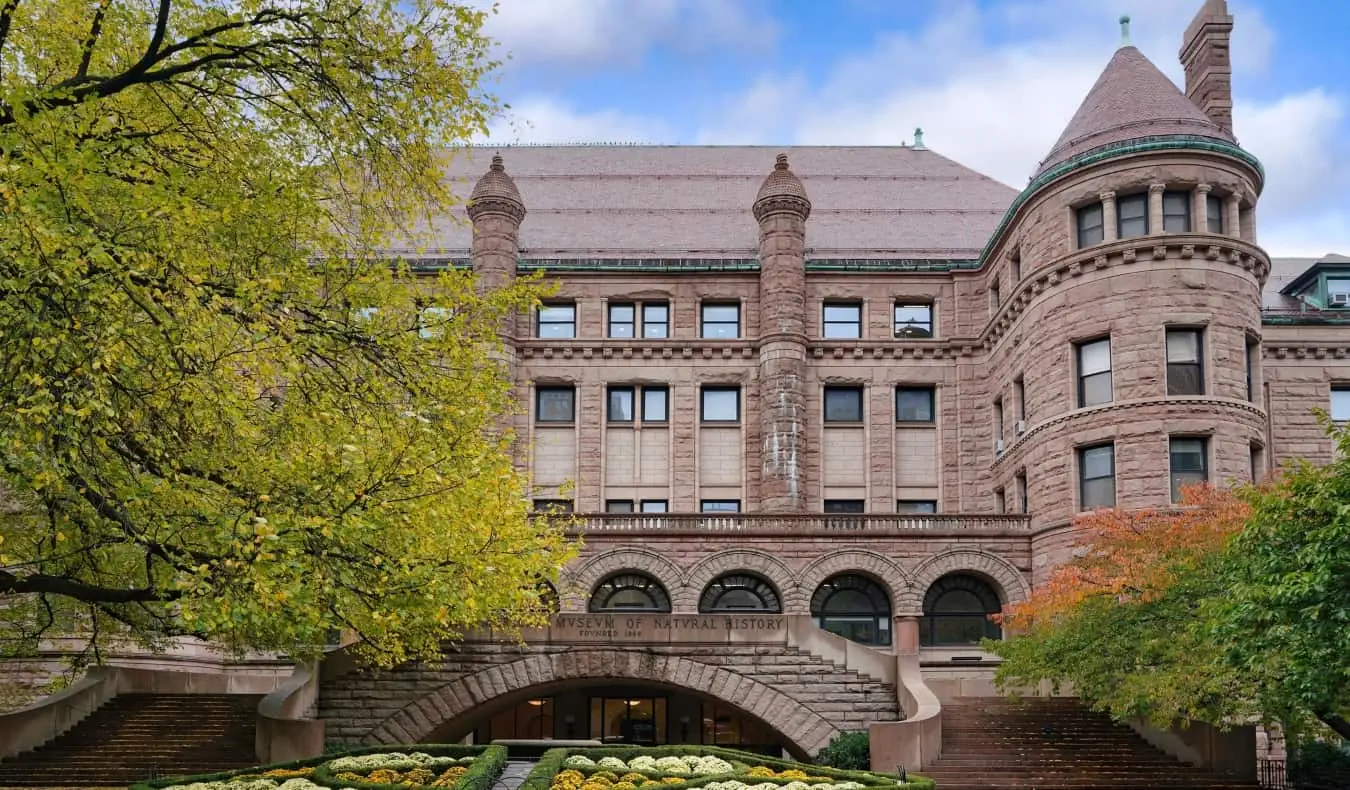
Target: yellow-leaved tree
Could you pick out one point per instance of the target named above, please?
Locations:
(206, 428)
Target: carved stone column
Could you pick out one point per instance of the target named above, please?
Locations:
(1110, 220)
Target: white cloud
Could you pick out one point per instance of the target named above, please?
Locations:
(541, 119)
(619, 32)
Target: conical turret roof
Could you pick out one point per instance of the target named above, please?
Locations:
(1132, 99)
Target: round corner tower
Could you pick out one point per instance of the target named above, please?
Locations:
(496, 211)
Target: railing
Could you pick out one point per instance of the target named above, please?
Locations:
(1271, 774)
(743, 523)
(1304, 315)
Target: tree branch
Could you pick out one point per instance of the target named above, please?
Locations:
(58, 585)
(87, 48)
(6, 19)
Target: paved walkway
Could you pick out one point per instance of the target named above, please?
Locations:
(513, 775)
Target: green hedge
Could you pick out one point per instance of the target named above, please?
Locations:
(483, 771)
(552, 762)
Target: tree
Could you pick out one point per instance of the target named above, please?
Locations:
(226, 415)
(1230, 607)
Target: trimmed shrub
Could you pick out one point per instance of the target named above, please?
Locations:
(850, 751)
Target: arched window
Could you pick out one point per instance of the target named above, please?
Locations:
(854, 607)
(739, 592)
(629, 592)
(956, 611)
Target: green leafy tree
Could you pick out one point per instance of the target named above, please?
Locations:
(225, 414)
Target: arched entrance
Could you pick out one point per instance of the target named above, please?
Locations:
(633, 675)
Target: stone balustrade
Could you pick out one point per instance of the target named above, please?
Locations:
(804, 524)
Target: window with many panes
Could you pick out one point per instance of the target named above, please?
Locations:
(913, 320)
(843, 404)
(915, 506)
(1214, 213)
(721, 320)
(554, 404)
(719, 505)
(623, 401)
(842, 320)
(721, 404)
(556, 321)
(1097, 477)
(1132, 216)
(1340, 403)
(1185, 368)
(1176, 212)
(914, 404)
(1094, 372)
(1188, 459)
(1090, 225)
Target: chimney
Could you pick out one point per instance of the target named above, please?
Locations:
(1209, 69)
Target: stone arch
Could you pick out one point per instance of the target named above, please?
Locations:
(579, 584)
(760, 562)
(806, 730)
(1010, 583)
(881, 568)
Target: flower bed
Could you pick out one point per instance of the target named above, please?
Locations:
(696, 768)
(452, 767)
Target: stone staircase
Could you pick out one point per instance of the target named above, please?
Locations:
(135, 736)
(994, 743)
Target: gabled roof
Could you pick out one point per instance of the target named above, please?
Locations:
(594, 201)
(1132, 99)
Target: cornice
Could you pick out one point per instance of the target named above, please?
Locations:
(641, 349)
(1305, 349)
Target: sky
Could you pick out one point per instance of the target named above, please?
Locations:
(992, 83)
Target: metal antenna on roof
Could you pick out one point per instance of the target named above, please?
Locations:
(1125, 30)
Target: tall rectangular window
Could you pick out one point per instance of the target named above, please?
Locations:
(721, 320)
(913, 320)
(1094, 372)
(1253, 355)
(1097, 477)
(1023, 506)
(655, 404)
(1185, 369)
(844, 506)
(1214, 213)
(1000, 501)
(995, 297)
(557, 321)
(621, 320)
(1132, 216)
(720, 505)
(555, 404)
(998, 423)
(1015, 267)
(1020, 399)
(721, 404)
(1340, 403)
(843, 404)
(1177, 212)
(1258, 462)
(914, 404)
(1189, 463)
(1090, 225)
(915, 506)
(656, 320)
(842, 320)
(621, 404)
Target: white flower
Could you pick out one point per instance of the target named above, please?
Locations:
(578, 759)
(613, 763)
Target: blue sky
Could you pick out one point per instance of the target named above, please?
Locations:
(991, 82)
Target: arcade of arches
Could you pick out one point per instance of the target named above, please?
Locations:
(956, 609)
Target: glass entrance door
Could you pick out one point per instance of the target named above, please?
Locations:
(640, 721)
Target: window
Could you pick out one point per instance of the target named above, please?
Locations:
(844, 506)
(553, 505)
(557, 321)
(1000, 501)
(739, 592)
(629, 592)
(656, 320)
(914, 404)
(1097, 477)
(719, 506)
(1094, 372)
(995, 297)
(1132, 216)
(655, 404)
(913, 320)
(1258, 462)
(1189, 462)
(1253, 354)
(1090, 225)
(554, 404)
(620, 404)
(915, 506)
(1020, 399)
(655, 506)
(998, 424)
(721, 404)
(621, 320)
(842, 320)
(956, 611)
(618, 506)
(1015, 266)
(431, 321)
(1214, 213)
(1176, 212)
(626, 721)
(843, 404)
(721, 320)
(1340, 403)
(1185, 373)
(1338, 292)
(853, 607)
(1023, 506)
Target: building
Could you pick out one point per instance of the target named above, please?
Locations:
(812, 398)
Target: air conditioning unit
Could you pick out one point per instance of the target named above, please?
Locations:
(998, 447)
(1340, 299)
(1021, 427)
